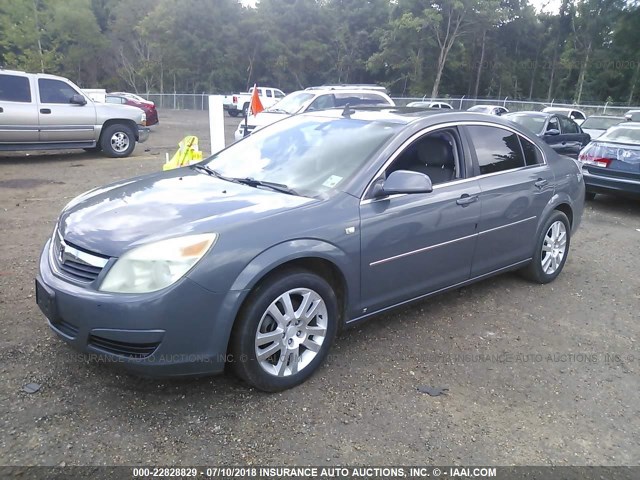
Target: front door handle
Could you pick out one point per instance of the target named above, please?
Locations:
(45, 110)
(541, 183)
(466, 200)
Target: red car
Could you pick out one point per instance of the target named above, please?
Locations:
(148, 107)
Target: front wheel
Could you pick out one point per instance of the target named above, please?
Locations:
(552, 248)
(285, 330)
(117, 141)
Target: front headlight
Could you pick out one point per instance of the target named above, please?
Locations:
(156, 265)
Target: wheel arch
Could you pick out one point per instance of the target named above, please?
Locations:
(324, 259)
(120, 121)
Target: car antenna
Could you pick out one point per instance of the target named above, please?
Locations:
(347, 111)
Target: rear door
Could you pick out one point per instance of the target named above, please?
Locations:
(573, 139)
(516, 184)
(18, 110)
(60, 120)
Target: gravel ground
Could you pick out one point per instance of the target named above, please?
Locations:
(537, 375)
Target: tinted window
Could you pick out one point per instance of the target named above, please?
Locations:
(497, 149)
(14, 89)
(532, 155)
(577, 115)
(553, 124)
(269, 94)
(55, 91)
(568, 125)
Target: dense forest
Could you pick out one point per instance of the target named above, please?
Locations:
(588, 51)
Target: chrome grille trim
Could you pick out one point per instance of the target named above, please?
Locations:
(71, 262)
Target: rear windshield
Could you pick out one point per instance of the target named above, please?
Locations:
(535, 123)
(311, 155)
(621, 135)
(601, 123)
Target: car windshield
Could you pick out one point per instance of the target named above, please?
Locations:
(621, 135)
(311, 155)
(535, 123)
(601, 123)
(292, 102)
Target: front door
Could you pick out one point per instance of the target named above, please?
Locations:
(60, 120)
(419, 243)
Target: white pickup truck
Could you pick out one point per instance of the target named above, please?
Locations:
(238, 103)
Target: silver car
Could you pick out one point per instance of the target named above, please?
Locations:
(45, 112)
(256, 257)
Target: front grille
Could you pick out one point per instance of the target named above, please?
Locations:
(74, 262)
(124, 349)
(65, 327)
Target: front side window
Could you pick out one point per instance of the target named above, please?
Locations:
(15, 89)
(279, 94)
(269, 94)
(436, 154)
(497, 149)
(55, 91)
(311, 155)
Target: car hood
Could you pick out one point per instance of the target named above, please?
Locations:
(113, 219)
(108, 111)
(593, 133)
(265, 118)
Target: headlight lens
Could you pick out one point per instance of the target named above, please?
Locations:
(156, 265)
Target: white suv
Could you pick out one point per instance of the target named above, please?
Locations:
(311, 99)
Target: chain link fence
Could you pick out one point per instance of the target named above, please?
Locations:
(199, 101)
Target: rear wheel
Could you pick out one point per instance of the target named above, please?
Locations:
(117, 141)
(552, 248)
(285, 330)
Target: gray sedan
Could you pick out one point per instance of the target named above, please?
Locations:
(256, 257)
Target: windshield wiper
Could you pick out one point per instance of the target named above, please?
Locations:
(278, 187)
(210, 171)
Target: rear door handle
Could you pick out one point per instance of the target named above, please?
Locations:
(541, 183)
(45, 110)
(466, 200)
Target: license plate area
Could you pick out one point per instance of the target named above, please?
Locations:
(46, 300)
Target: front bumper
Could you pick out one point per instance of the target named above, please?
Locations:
(181, 330)
(600, 180)
(143, 134)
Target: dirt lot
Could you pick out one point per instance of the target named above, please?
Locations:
(544, 375)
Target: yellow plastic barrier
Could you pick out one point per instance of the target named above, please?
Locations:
(187, 153)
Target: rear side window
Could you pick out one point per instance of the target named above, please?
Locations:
(568, 125)
(553, 124)
(269, 93)
(55, 91)
(14, 89)
(497, 149)
(532, 155)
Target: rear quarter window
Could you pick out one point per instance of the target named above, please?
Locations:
(14, 88)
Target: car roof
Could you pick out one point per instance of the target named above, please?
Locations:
(37, 75)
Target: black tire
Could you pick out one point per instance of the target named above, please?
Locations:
(291, 283)
(233, 113)
(111, 146)
(535, 271)
(589, 196)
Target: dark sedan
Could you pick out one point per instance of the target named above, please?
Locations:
(611, 163)
(256, 257)
(149, 108)
(561, 133)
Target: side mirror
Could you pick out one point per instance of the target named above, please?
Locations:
(78, 99)
(553, 132)
(403, 181)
